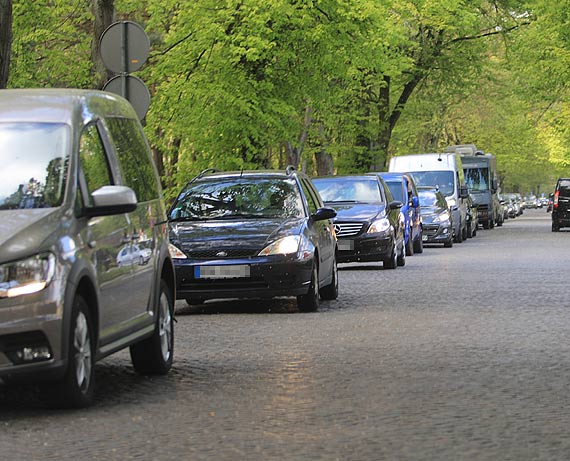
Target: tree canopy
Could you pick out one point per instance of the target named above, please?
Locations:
(326, 85)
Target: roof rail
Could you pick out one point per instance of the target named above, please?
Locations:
(290, 169)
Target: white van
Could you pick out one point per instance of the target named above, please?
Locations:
(444, 171)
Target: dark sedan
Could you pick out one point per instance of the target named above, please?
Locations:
(253, 234)
(369, 224)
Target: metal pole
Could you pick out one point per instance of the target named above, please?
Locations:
(125, 56)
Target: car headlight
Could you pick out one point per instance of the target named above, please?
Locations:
(442, 217)
(175, 252)
(26, 276)
(380, 225)
(283, 246)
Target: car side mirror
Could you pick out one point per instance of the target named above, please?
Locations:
(395, 205)
(415, 202)
(463, 192)
(323, 213)
(112, 200)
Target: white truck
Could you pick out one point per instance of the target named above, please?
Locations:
(444, 171)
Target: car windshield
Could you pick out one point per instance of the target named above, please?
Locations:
(341, 189)
(440, 179)
(476, 179)
(34, 170)
(240, 197)
(430, 198)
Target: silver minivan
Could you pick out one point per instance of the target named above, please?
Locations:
(78, 192)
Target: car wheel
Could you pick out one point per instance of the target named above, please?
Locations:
(449, 243)
(310, 301)
(153, 355)
(419, 244)
(401, 261)
(410, 246)
(392, 261)
(459, 236)
(330, 292)
(555, 228)
(76, 389)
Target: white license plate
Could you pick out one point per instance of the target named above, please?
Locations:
(345, 245)
(222, 272)
(424, 238)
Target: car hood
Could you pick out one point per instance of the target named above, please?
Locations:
(22, 231)
(357, 211)
(429, 213)
(234, 234)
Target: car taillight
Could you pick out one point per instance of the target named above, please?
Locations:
(556, 195)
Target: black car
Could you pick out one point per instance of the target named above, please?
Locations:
(253, 234)
(369, 225)
(437, 220)
(561, 205)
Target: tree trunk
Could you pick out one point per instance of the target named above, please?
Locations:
(104, 13)
(5, 40)
(294, 153)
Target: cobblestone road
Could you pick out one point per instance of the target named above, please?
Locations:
(461, 355)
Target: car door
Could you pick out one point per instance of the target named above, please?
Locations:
(107, 237)
(324, 229)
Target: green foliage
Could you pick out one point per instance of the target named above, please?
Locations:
(242, 83)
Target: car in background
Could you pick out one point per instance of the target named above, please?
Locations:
(78, 187)
(253, 234)
(369, 225)
(561, 205)
(437, 220)
(403, 189)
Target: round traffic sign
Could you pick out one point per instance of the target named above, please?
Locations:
(124, 46)
(133, 89)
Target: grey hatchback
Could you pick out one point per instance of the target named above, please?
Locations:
(78, 187)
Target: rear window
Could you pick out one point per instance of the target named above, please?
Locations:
(564, 187)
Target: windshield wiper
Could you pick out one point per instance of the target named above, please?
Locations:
(185, 218)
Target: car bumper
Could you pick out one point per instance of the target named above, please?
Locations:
(437, 233)
(561, 218)
(242, 278)
(364, 248)
(31, 331)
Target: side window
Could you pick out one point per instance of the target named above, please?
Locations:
(310, 199)
(132, 152)
(94, 165)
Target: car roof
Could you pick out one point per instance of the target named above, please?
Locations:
(283, 174)
(366, 177)
(60, 105)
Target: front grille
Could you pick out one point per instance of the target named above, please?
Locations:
(348, 229)
(222, 254)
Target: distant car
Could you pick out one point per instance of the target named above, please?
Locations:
(369, 224)
(404, 189)
(561, 205)
(253, 234)
(437, 221)
(133, 254)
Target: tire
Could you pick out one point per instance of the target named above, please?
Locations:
(153, 355)
(410, 246)
(310, 301)
(419, 244)
(464, 233)
(459, 236)
(448, 244)
(401, 261)
(76, 388)
(555, 228)
(330, 292)
(392, 261)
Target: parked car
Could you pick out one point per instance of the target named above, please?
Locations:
(79, 186)
(253, 234)
(369, 224)
(561, 205)
(403, 189)
(437, 219)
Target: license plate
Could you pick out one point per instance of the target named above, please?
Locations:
(222, 272)
(424, 238)
(345, 245)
